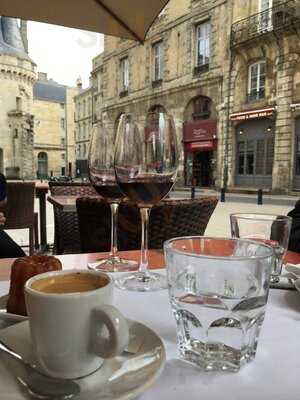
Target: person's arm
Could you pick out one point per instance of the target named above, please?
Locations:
(3, 198)
(2, 219)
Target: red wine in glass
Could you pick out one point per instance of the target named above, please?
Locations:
(102, 177)
(146, 165)
(148, 191)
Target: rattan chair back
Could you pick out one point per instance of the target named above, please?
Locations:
(19, 211)
(170, 218)
(71, 188)
(66, 230)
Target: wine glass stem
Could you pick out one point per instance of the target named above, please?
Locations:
(114, 244)
(143, 268)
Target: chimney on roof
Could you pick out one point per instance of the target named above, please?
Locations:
(42, 76)
(79, 82)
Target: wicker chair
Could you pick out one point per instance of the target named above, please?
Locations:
(66, 230)
(170, 218)
(19, 211)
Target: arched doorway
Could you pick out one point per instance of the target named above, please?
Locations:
(42, 165)
(156, 108)
(1, 161)
(200, 142)
(255, 153)
(154, 123)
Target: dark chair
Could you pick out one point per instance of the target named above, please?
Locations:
(170, 218)
(19, 211)
(66, 230)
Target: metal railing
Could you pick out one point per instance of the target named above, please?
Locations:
(275, 19)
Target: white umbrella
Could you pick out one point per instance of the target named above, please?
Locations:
(130, 19)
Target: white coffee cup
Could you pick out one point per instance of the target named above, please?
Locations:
(68, 328)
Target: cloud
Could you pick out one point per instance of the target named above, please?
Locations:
(63, 53)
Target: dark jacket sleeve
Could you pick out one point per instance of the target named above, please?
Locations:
(294, 243)
(2, 187)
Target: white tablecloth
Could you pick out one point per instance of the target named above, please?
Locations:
(273, 375)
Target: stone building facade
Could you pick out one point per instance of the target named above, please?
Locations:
(54, 142)
(17, 77)
(179, 68)
(83, 120)
(229, 73)
(261, 138)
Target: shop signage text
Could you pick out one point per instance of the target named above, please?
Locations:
(243, 116)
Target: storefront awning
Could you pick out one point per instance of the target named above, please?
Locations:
(204, 145)
(200, 130)
(253, 114)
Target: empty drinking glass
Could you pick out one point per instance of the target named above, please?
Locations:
(273, 230)
(218, 291)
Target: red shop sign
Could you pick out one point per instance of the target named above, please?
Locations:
(199, 130)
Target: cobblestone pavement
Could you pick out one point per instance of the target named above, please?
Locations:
(218, 224)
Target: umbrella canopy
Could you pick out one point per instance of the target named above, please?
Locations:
(130, 19)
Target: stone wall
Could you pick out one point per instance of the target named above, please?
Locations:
(17, 77)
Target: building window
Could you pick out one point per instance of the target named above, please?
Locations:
(84, 108)
(42, 171)
(265, 16)
(256, 81)
(62, 141)
(201, 108)
(84, 150)
(255, 153)
(157, 51)
(203, 45)
(79, 151)
(90, 106)
(63, 156)
(83, 131)
(78, 110)
(18, 103)
(124, 67)
(62, 123)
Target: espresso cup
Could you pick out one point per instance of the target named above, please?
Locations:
(72, 322)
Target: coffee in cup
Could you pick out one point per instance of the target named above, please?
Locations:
(70, 313)
(76, 282)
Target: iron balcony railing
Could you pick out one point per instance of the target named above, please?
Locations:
(277, 19)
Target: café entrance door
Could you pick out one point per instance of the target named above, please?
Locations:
(202, 173)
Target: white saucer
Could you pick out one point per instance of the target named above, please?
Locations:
(120, 378)
(6, 316)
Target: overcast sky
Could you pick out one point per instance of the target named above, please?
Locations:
(64, 53)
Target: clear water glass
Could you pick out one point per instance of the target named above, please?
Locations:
(218, 290)
(273, 230)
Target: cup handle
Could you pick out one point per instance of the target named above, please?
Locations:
(118, 332)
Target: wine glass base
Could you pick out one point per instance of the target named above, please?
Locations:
(139, 282)
(113, 264)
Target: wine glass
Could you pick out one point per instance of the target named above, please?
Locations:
(102, 177)
(146, 170)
